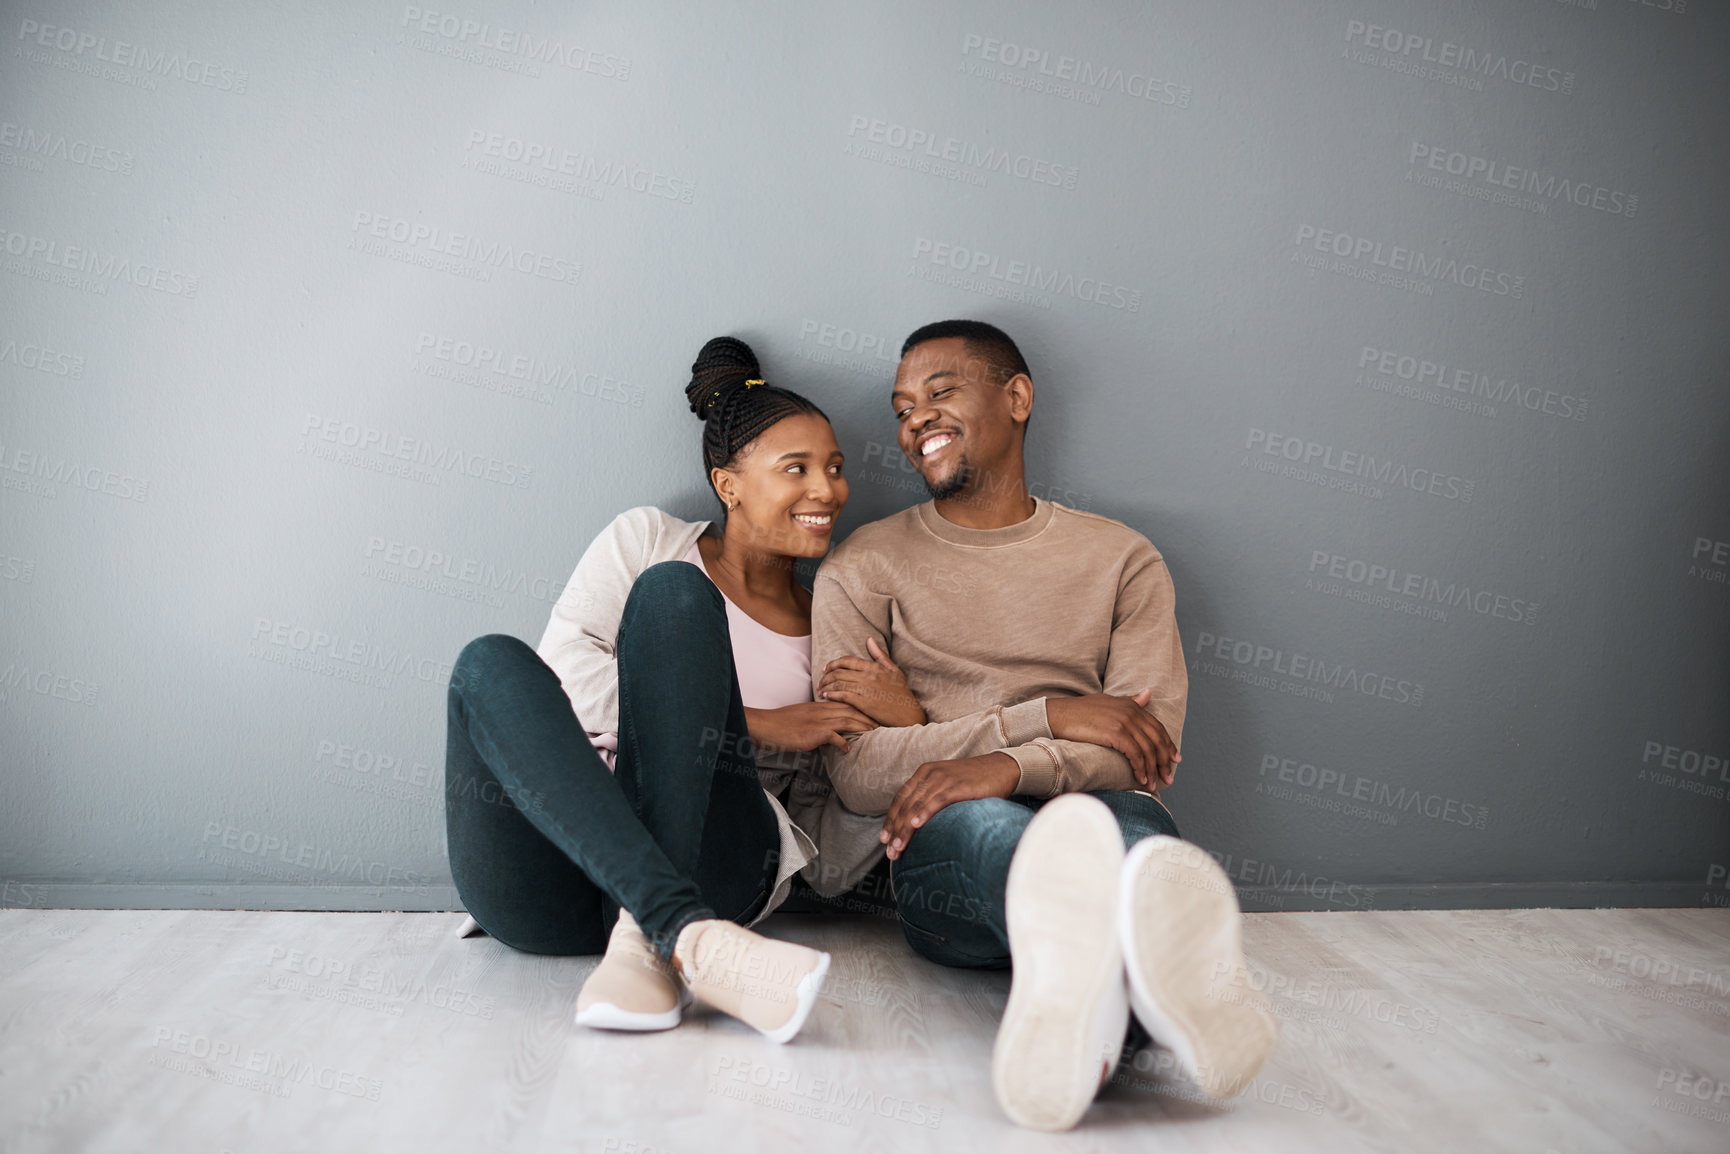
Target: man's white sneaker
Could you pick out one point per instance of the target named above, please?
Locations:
(632, 988)
(1182, 936)
(767, 984)
(1063, 1026)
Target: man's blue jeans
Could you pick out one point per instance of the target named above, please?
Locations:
(950, 880)
(546, 845)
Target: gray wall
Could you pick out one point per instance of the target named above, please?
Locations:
(329, 339)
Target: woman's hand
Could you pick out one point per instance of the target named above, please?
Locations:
(805, 726)
(877, 688)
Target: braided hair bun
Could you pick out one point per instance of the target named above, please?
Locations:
(725, 364)
(735, 404)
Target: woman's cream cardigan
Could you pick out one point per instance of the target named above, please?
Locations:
(578, 645)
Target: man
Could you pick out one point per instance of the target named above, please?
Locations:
(1042, 644)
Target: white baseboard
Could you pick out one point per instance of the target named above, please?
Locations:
(1342, 897)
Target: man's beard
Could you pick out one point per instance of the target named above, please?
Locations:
(955, 485)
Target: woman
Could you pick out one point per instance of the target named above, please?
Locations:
(629, 768)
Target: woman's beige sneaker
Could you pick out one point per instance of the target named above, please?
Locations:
(767, 984)
(1182, 939)
(632, 988)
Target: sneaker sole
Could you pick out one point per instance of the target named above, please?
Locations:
(806, 992)
(606, 1016)
(1181, 930)
(1061, 914)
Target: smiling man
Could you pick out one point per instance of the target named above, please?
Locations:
(1042, 644)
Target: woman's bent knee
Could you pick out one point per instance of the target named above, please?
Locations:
(674, 589)
(485, 653)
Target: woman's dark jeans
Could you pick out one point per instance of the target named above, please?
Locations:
(546, 845)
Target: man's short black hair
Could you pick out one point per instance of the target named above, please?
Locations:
(983, 340)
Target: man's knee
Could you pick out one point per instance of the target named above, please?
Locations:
(978, 821)
(979, 835)
(1138, 814)
(947, 917)
(946, 950)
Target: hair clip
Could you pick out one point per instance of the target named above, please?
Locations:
(748, 384)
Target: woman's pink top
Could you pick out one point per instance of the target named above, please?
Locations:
(774, 669)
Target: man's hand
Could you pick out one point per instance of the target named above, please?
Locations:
(1120, 723)
(938, 783)
(875, 687)
(806, 725)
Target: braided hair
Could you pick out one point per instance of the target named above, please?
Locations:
(735, 404)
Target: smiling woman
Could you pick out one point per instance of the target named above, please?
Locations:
(653, 752)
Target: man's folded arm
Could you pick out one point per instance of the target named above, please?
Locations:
(877, 764)
(1146, 653)
(845, 612)
(1051, 765)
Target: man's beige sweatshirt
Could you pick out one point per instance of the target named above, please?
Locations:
(987, 624)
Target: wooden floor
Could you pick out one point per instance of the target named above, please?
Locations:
(1528, 1031)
